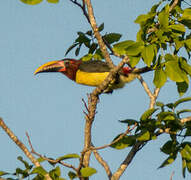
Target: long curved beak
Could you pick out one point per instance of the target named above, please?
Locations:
(52, 66)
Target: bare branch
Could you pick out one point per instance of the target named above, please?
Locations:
(21, 146)
(173, 5)
(97, 34)
(127, 160)
(103, 163)
(145, 86)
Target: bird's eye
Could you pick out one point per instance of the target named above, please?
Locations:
(66, 63)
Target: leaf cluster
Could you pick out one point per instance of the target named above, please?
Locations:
(39, 173)
(165, 119)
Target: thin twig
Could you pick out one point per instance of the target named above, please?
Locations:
(83, 8)
(49, 159)
(115, 141)
(21, 146)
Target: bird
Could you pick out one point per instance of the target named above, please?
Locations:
(91, 73)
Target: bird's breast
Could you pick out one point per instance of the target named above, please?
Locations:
(90, 78)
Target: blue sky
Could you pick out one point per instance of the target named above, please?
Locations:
(49, 106)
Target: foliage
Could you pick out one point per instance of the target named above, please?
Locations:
(163, 36)
(153, 122)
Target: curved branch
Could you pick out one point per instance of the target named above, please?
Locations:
(21, 146)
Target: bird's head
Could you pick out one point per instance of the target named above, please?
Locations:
(65, 66)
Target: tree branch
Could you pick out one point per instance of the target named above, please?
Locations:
(97, 34)
(83, 8)
(48, 159)
(92, 104)
(21, 146)
(127, 160)
(103, 163)
(139, 144)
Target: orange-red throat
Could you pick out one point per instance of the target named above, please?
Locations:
(66, 66)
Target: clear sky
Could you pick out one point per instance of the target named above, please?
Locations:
(49, 106)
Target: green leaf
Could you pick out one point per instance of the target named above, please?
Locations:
(185, 152)
(186, 18)
(31, 2)
(186, 14)
(124, 142)
(160, 104)
(2, 173)
(130, 122)
(188, 132)
(53, 1)
(98, 55)
(101, 27)
(120, 47)
(134, 60)
(166, 116)
(170, 105)
(183, 167)
(160, 78)
(72, 175)
(184, 65)
(178, 44)
(183, 100)
(170, 57)
(169, 147)
(112, 37)
(188, 165)
(154, 7)
(148, 54)
(39, 170)
(27, 166)
(71, 47)
(68, 156)
(174, 72)
(92, 48)
(188, 43)
(55, 173)
(40, 159)
(82, 38)
(134, 49)
(87, 171)
(182, 87)
(178, 27)
(87, 57)
(147, 114)
(163, 17)
(183, 111)
(143, 136)
(168, 161)
(141, 18)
